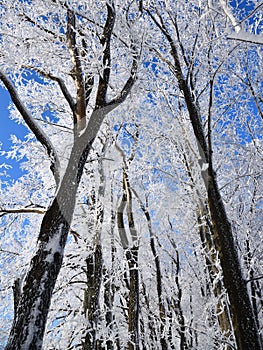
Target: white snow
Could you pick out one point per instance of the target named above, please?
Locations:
(53, 246)
(247, 37)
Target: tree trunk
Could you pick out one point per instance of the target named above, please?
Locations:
(92, 293)
(244, 325)
(159, 282)
(245, 328)
(132, 258)
(222, 310)
(28, 328)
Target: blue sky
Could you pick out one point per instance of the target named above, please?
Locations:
(7, 128)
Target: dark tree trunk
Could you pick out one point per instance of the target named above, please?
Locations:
(109, 292)
(132, 257)
(159, 282)
(252, 282)
(245, 328)
(31, 315)
(29, 324)
(214, 284)
(94, 277)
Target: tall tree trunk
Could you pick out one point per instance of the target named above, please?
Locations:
(243, 320)
(29, 323)
(252, 281)
(109, 291)
(132, 258)
(159, 282)
(222, 310)
(131, 255)
(205, 228)
(94, 275)
(244, 324)
(94, 264)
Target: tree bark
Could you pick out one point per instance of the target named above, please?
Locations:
(29, 323)
(243, 320)
(222, 309)
(132, 258)
(94, 278)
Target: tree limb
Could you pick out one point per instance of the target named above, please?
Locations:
(254, 279)
(247, 37)
(21, 211)
(77, 73)
(8, 252)
(128, 86)
(106, 60)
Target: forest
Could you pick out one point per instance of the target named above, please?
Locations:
(136, 221)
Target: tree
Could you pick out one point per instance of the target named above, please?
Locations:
(183, 67)
(141, 268)
(61, 30)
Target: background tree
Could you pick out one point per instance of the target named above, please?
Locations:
(184, 67)
(61, 30)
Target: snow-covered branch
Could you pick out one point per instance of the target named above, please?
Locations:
(239, 33)
(247, 37)
(230, 15)
(60, 82)
(33, 126)
(128, 85)
(106, 60)
(80, 108)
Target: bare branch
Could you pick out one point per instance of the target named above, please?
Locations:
(247, 37)
(8, 252)
(255, 279)
(4, 211)
(252, 12)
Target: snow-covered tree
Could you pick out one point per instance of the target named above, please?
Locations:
(137, 221)
(67, 50)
